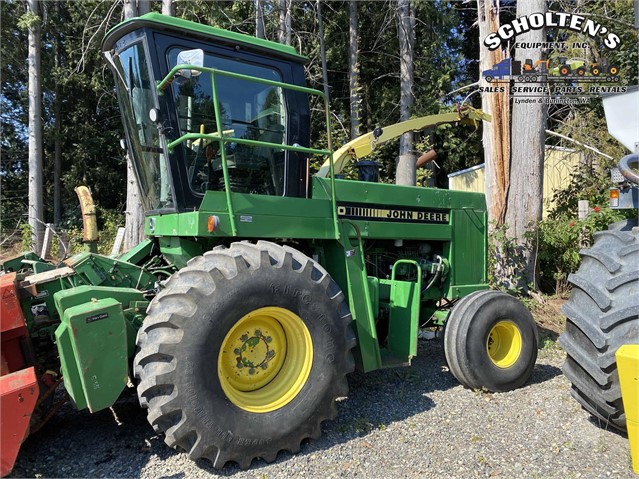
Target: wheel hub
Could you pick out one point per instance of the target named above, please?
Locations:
(265, 359)
(258, 344)
(255, 352)
(504, 344)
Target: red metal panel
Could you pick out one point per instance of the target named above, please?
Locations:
(11, 316)
(12, 356)
(18, 396)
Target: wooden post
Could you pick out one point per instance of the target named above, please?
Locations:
(117, 243)
(583, 209)
(46, 242)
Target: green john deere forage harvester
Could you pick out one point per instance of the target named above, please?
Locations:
(259, 287)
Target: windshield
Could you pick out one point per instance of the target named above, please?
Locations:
(136, 94)
(248, 110)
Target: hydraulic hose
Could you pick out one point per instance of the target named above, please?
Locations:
(627, 167)
(437, 275)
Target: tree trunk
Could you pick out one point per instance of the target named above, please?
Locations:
(406, 165)
(134, 217)
(130, 9)
(168, 7)
(134, 210)
(496, 134)
(527, 154)
(57, 148)
(320, 24)
(353, 64)
(259, 19)
(284, 32)
(36, 207)
(289, 22)
(57, 162)
(144, 6)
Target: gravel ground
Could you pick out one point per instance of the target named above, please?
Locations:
(414, 422)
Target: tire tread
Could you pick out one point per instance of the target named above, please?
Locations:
(162, 331)
(595, 330)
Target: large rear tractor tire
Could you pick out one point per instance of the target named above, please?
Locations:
(602, 314)
(490, 341)
(244, 353)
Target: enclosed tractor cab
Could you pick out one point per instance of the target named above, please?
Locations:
(260, 286)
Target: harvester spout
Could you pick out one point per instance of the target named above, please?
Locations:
(364, 145)
(89, 221)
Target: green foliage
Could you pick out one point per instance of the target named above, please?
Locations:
(437, 70)
(77, 88)
(506, 261)
(26, 235)
(28, 21)
(562, 235)
(561, 238)
(108, 224)
(585, 184)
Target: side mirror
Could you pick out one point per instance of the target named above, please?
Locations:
(190, 57)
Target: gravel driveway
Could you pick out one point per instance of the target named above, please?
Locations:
(414, 422)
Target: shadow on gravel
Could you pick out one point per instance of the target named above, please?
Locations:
(543, 373)
(375, 401)
(606, 427)
(546, 334)
(120, 443)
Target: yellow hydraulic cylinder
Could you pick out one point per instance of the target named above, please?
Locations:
(628, 367)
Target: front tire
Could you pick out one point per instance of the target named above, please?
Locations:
(244, 353)
(490, 341)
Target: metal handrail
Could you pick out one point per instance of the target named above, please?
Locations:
(168, 79)
(245, 141)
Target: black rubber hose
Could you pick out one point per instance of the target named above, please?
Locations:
(627, 167)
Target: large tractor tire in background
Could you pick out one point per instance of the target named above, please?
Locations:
(602, 314)
(490, 341)
(244, 353)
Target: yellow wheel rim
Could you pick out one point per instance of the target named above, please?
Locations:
(265, 359)
(504, 344)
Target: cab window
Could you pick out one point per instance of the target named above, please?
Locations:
(248, 110)
(136, 93)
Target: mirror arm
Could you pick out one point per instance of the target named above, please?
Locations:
(168, 79)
